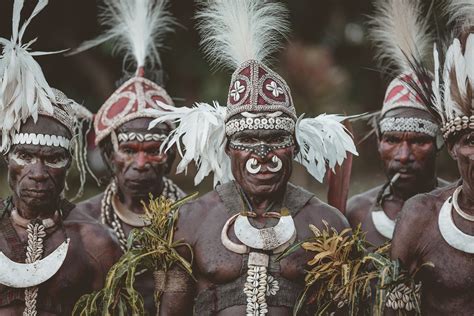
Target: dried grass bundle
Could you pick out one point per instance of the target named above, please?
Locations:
(149, 249)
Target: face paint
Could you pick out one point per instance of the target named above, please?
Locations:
(260, 174)
(22, 159)
(259, 147)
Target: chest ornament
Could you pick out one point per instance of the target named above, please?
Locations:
(257, 243)
(450, 233)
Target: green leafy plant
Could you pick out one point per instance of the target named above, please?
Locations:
(151, 248)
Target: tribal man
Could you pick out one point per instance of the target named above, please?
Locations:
(436, 230)
(408, 136)
(132, 152)
(237, 231)
(47, 259)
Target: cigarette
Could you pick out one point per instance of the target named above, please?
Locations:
(395, 178)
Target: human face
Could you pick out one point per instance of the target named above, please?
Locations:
(412, 155)
(261, 160)
(37, 174)
(463, 152)
(139, 166)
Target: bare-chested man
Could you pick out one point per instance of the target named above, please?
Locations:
(237, 231)
(438, 227)
(132, 152)
(408, 136)
(48, 258)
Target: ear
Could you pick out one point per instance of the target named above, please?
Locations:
(452, 150)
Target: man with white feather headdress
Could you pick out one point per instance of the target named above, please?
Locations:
(131, 151)
(237, 231)
(50, 255)
(408, 135)
(438, 227)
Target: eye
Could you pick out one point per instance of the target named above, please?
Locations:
(154, 151)
(25, 156)
(128, 150)
(392, 139)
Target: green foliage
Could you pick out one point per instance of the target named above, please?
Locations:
(149, 249)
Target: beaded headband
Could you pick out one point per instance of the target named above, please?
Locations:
(41, 140)
(408, 124)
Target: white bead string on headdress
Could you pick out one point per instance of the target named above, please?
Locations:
(41, 140)
(408, 124)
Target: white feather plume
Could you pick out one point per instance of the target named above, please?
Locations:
(200, 137)
(323, 143)
(137, 29)
(235, 31)
(24, 91)
(399, 29)
(436, 87)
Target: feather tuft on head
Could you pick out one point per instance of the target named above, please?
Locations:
(398, 30)
(200, 136)
(137, 29)
(461, 12)
(24, 91)
(235, 31)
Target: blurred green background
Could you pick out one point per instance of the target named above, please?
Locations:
(328, 63)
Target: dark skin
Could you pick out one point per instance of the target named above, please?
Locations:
(448, 288)
(411, 154)
(201, 221)
(139, 168)
(36, 188)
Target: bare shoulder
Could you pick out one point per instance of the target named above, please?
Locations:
(316, 211)
(195, 212)
(359, 205)
(423, 208)
(91, 234)
(90, 207)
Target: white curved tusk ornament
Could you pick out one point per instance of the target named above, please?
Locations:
(23, 275)
(279, 164)
(252, 166)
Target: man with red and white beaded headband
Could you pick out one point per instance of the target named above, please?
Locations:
(237, 231)
(49, 254)
(408, 136)
(132, 151)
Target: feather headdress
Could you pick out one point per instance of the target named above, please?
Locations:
(241, 35)
(398, 29)
(24, 91)
(137, 29)
(200, 136)
(452, 87)
(233, 32)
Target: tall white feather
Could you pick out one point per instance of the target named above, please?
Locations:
(323, 143)
(399, 29)
(235, 31)
(436, 87)
(200, 137)
(24, 91)
(137, 29)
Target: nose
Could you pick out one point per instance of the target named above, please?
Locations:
(141, 162)
(38, 172)
(404, 154)
(263, 153)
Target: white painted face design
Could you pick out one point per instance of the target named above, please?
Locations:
(22, 159)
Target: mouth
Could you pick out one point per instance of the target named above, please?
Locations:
(36, 193)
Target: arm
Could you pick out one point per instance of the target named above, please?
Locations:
(179, 289)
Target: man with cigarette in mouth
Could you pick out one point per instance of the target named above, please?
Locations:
(408, 137)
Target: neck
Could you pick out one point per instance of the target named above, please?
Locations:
(264, 203)
(32, 212)
(466, 198)
(133, 202)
